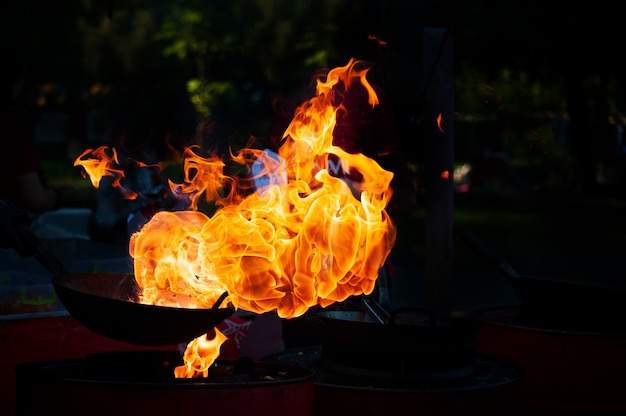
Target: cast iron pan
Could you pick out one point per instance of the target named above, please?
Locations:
(106, 304)
(560, 302)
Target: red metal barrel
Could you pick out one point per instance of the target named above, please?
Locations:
(566, 371)
(73, 388)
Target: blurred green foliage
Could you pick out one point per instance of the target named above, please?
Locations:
(229, 61)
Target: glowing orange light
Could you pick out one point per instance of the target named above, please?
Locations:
(439, 123)
(100, 162)
(312, 239)
(377, 39)
(445, 174)
(311, 233)
(200, 354)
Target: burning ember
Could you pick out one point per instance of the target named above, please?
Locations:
(314, 231)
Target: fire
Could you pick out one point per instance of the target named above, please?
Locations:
(200, 354)
(101, 165)
(313, 232)
(104, 164)
(314, 239)
(377, 39)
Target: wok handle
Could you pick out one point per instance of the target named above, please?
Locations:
(15, 232)
(490, 254)
(41, 251)
(219, 300)
(374, 310)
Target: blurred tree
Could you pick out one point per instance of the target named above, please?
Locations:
(244, 51)
(569, 57)
(514, 59)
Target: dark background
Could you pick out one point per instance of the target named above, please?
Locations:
(537, 84)
(538, 100)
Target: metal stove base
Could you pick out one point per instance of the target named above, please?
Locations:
(485, 391)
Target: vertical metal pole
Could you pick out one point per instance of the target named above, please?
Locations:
(438, 129)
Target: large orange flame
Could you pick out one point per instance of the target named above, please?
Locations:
(314, 239)
(314, 232)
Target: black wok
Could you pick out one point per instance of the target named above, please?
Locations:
(562, 302)
(106, 303)
(406, 337)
